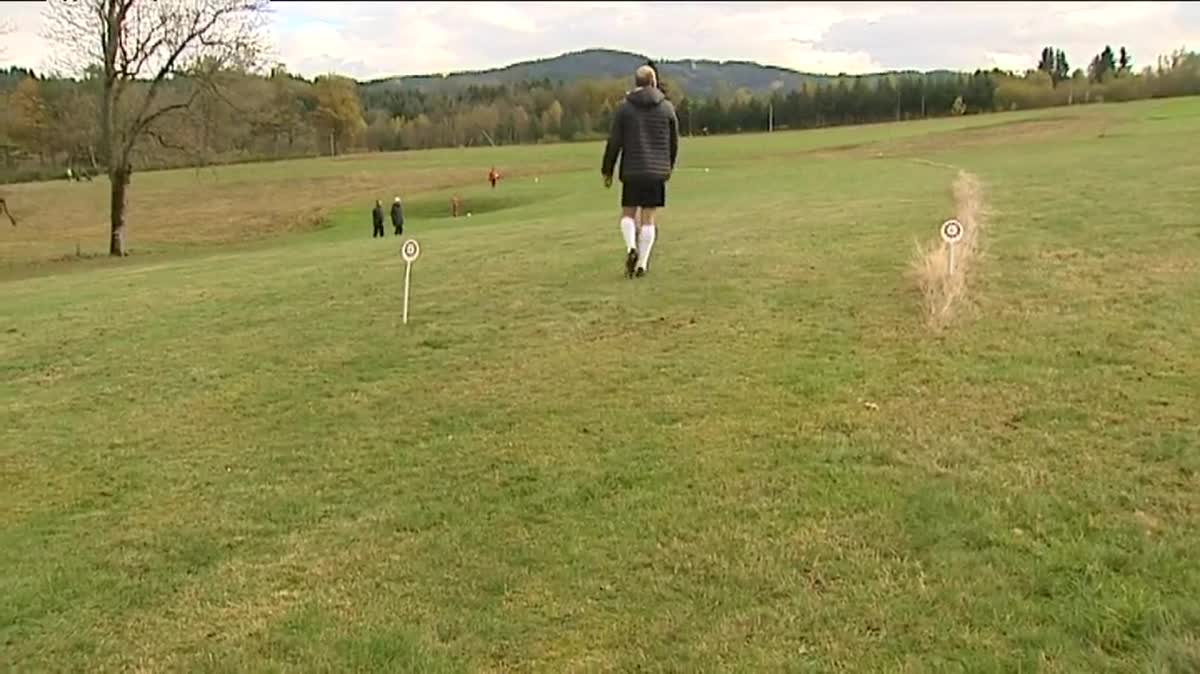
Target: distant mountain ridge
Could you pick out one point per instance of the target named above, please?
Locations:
(698, 77)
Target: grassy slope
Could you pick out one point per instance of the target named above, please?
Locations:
(170, 211)
(242, 460)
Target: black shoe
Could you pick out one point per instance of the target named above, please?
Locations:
(630, 262)
(641, 271)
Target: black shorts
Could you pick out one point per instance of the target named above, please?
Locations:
(644, 193)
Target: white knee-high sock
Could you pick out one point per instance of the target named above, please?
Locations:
(645, 243)
(629, 231)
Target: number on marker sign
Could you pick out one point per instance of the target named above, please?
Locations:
(410, 250)
(952, 231)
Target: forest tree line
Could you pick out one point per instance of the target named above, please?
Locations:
(50, 124)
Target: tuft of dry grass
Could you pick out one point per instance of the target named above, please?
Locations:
(943, 293)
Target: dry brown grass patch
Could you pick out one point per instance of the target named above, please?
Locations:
(57, 216)
(943, 294)
(207, 206)
(1013, 132)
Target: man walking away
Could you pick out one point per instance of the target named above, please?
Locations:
(397, 217)
(377, 219)
(645, 134)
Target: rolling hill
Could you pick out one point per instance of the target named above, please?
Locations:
(698, 77)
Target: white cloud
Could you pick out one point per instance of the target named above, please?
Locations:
(505, 18)
(1106, 15)
(377, 39)
(24, 45)
(815, 60)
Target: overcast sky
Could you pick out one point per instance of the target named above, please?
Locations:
(377, 39)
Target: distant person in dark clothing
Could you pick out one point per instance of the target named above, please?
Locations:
(493, 176)
(645, 135)
(377, 219)
(397, 217)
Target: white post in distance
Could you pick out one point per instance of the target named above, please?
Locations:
(952, 233)
(410, 251)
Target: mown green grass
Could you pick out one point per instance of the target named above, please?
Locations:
(756, 459)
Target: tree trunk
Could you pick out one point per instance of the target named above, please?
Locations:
(118, 180)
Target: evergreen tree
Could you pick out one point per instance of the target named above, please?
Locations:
(1047, 63)
(1062, 69)
(1103, 65)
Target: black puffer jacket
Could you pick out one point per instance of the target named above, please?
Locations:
(645, 133)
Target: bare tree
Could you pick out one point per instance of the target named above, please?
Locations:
(153, 59)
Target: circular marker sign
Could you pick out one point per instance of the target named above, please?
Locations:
(952, 231)
(410, 250)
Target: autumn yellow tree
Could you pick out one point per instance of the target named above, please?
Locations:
(28, 120)
(552, 119)
(286, 116)
(417, 133)
(520, 124)
(379, 134)
(339, 114)
(71, 115)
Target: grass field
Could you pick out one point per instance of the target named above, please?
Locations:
(226, 453)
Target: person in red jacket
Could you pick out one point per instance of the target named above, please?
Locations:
(493, 176)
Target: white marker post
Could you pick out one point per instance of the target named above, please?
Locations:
(952, 233)
(410, 251)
